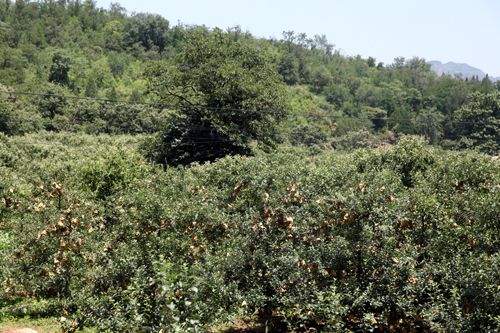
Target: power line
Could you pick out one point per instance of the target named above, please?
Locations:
(194, 143)
(245, 110)
(120, 144)
(137, 102)
(147, 128)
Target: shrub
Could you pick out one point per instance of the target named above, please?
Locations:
(402, 239)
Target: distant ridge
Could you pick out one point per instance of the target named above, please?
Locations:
(454, 68)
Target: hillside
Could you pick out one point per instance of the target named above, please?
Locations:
(79, 49)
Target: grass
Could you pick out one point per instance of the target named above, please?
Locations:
(41, 325)
(52, 325)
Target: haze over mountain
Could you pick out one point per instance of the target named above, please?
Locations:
(454, 68)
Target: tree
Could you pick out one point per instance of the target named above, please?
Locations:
(375, 113)
(486, 84)
(51, 106)
(12, 65)
(113, 32)
(336, 94)
(320, 78)
(90, 88)
(403, 126)
(288, 67)
(147, 29)
(428, 123)
(117, 63)
(481, 118)
(215, 72)
(61, 64)
(371, 62)
(112, 94)
(135, 96)
(398, 62)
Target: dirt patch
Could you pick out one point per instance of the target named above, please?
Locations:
(249, 325)
(17, 330)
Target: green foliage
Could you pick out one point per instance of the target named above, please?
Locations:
(482, 115)
(288, 68)
(320, 78)
(51, 106)
(90, 88)
(12, 63)
(61, 64)
(356, 139)
(149, 30)
(112, 94)
(307, 135)
(405, 126)
(370, 112)
(402, 238)
(215, 72)
(118, 63)
(336, 94)
(407, 159)
(72, 43)
(396, 238)
(18, 118)
(428, 123)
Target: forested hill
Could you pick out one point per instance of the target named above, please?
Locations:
(74, 47)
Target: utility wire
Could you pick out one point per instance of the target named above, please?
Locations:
(194, 143)
(244, 110)
(173, 144)
(148, 129)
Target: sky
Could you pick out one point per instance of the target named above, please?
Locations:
(461, 31)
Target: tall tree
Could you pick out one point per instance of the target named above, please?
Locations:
(481, 118)
(216, 72)
(428, 124)
(147, 29)
(61, 65)
(288, 67)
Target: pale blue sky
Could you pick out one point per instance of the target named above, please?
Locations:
(462, 31)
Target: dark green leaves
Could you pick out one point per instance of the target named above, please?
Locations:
(216, 72)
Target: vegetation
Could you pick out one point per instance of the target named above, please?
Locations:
(397, 239)
(75, 48)
(223, 77)
(130, 217)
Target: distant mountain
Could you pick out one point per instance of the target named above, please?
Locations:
(454, 68)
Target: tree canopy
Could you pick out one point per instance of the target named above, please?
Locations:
(481, 119)
(91, 51)
(220, 75)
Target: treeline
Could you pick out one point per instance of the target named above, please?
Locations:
(74, 47)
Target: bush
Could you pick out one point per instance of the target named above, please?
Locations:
(402, 239)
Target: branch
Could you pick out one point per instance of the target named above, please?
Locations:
(178, 96)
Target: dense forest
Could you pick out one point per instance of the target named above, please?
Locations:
(159, 178)
(76, 48)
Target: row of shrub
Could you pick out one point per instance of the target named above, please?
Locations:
(401, 240)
